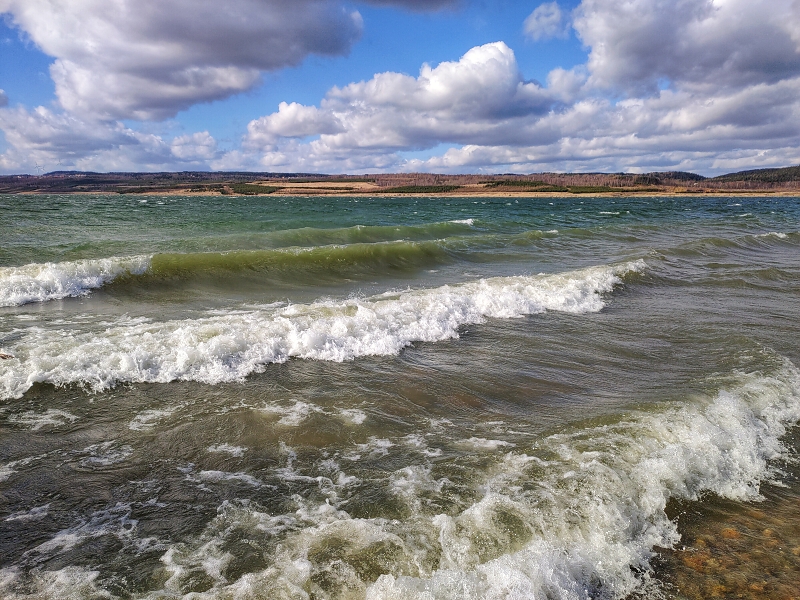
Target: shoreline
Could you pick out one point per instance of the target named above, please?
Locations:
(309, 193)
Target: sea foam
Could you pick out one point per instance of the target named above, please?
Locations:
(221, 348)
(587, 517)
(52, 281)
(572, 516)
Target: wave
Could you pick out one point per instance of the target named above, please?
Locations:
(228, 347)
(588, 507)
(721, 246)
(366, 234)
(574, 515)
(53, 281)
(326, 260)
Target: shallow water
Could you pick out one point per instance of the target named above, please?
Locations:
(398, 398)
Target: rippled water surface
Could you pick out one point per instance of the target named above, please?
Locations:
(399, 398)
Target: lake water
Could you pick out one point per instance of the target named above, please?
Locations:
(399, 398)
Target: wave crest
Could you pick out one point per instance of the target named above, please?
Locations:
(229, 347)
(54, 281)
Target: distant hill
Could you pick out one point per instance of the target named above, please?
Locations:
(678, 176)
(784, 175)
(785, 180)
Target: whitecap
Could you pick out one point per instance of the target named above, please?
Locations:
(40, 282)
(34, 514)
(292, 415)
(221, 476)
(105, 454)
(235, 451)
(353, 415)
(149, 418)
(222, 348)
(476, 443)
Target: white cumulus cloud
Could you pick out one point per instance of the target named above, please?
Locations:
(481, 97)
(197, 146)
(547, 21)
(703, 43)
(148, 59)
(60, 141)
(703, 85)
(732, 72)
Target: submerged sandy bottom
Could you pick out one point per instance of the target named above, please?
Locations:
(737, 550)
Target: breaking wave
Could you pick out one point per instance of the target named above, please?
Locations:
(571, 516)
(228, 347)
(53, 281)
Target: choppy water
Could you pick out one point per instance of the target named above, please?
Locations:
(397, 398)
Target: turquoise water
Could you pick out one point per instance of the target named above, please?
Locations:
(384, 398)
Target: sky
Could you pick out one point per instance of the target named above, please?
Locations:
(370, 86)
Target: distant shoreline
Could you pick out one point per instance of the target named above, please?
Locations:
(783, 182)
(462, 193)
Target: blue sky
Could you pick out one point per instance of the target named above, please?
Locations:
(329, 86)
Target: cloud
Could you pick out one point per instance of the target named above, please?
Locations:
(545, 22)
(148, 60)
(688, 84)
(675, 130)
(703, 43)
(3, 99)
(482, 97)
(291, 121)
(60, 141)
(500, 122)
(199, 146)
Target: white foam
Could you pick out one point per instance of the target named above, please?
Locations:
(292, 415)
(218, 476)
(149, 418)
(411, 483)
(34, 514)
(51, 281)
(50, 418)
(776, 234)
(469, 222)
(69, 583)
(374, 448)
(418, 443)
(598, 509)
(105, 454)
(115, 521)
(579, 523)
(574, 516)
(353, 415)
(216, 349)
(235, 451)
(476, 443)
(8, 469)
